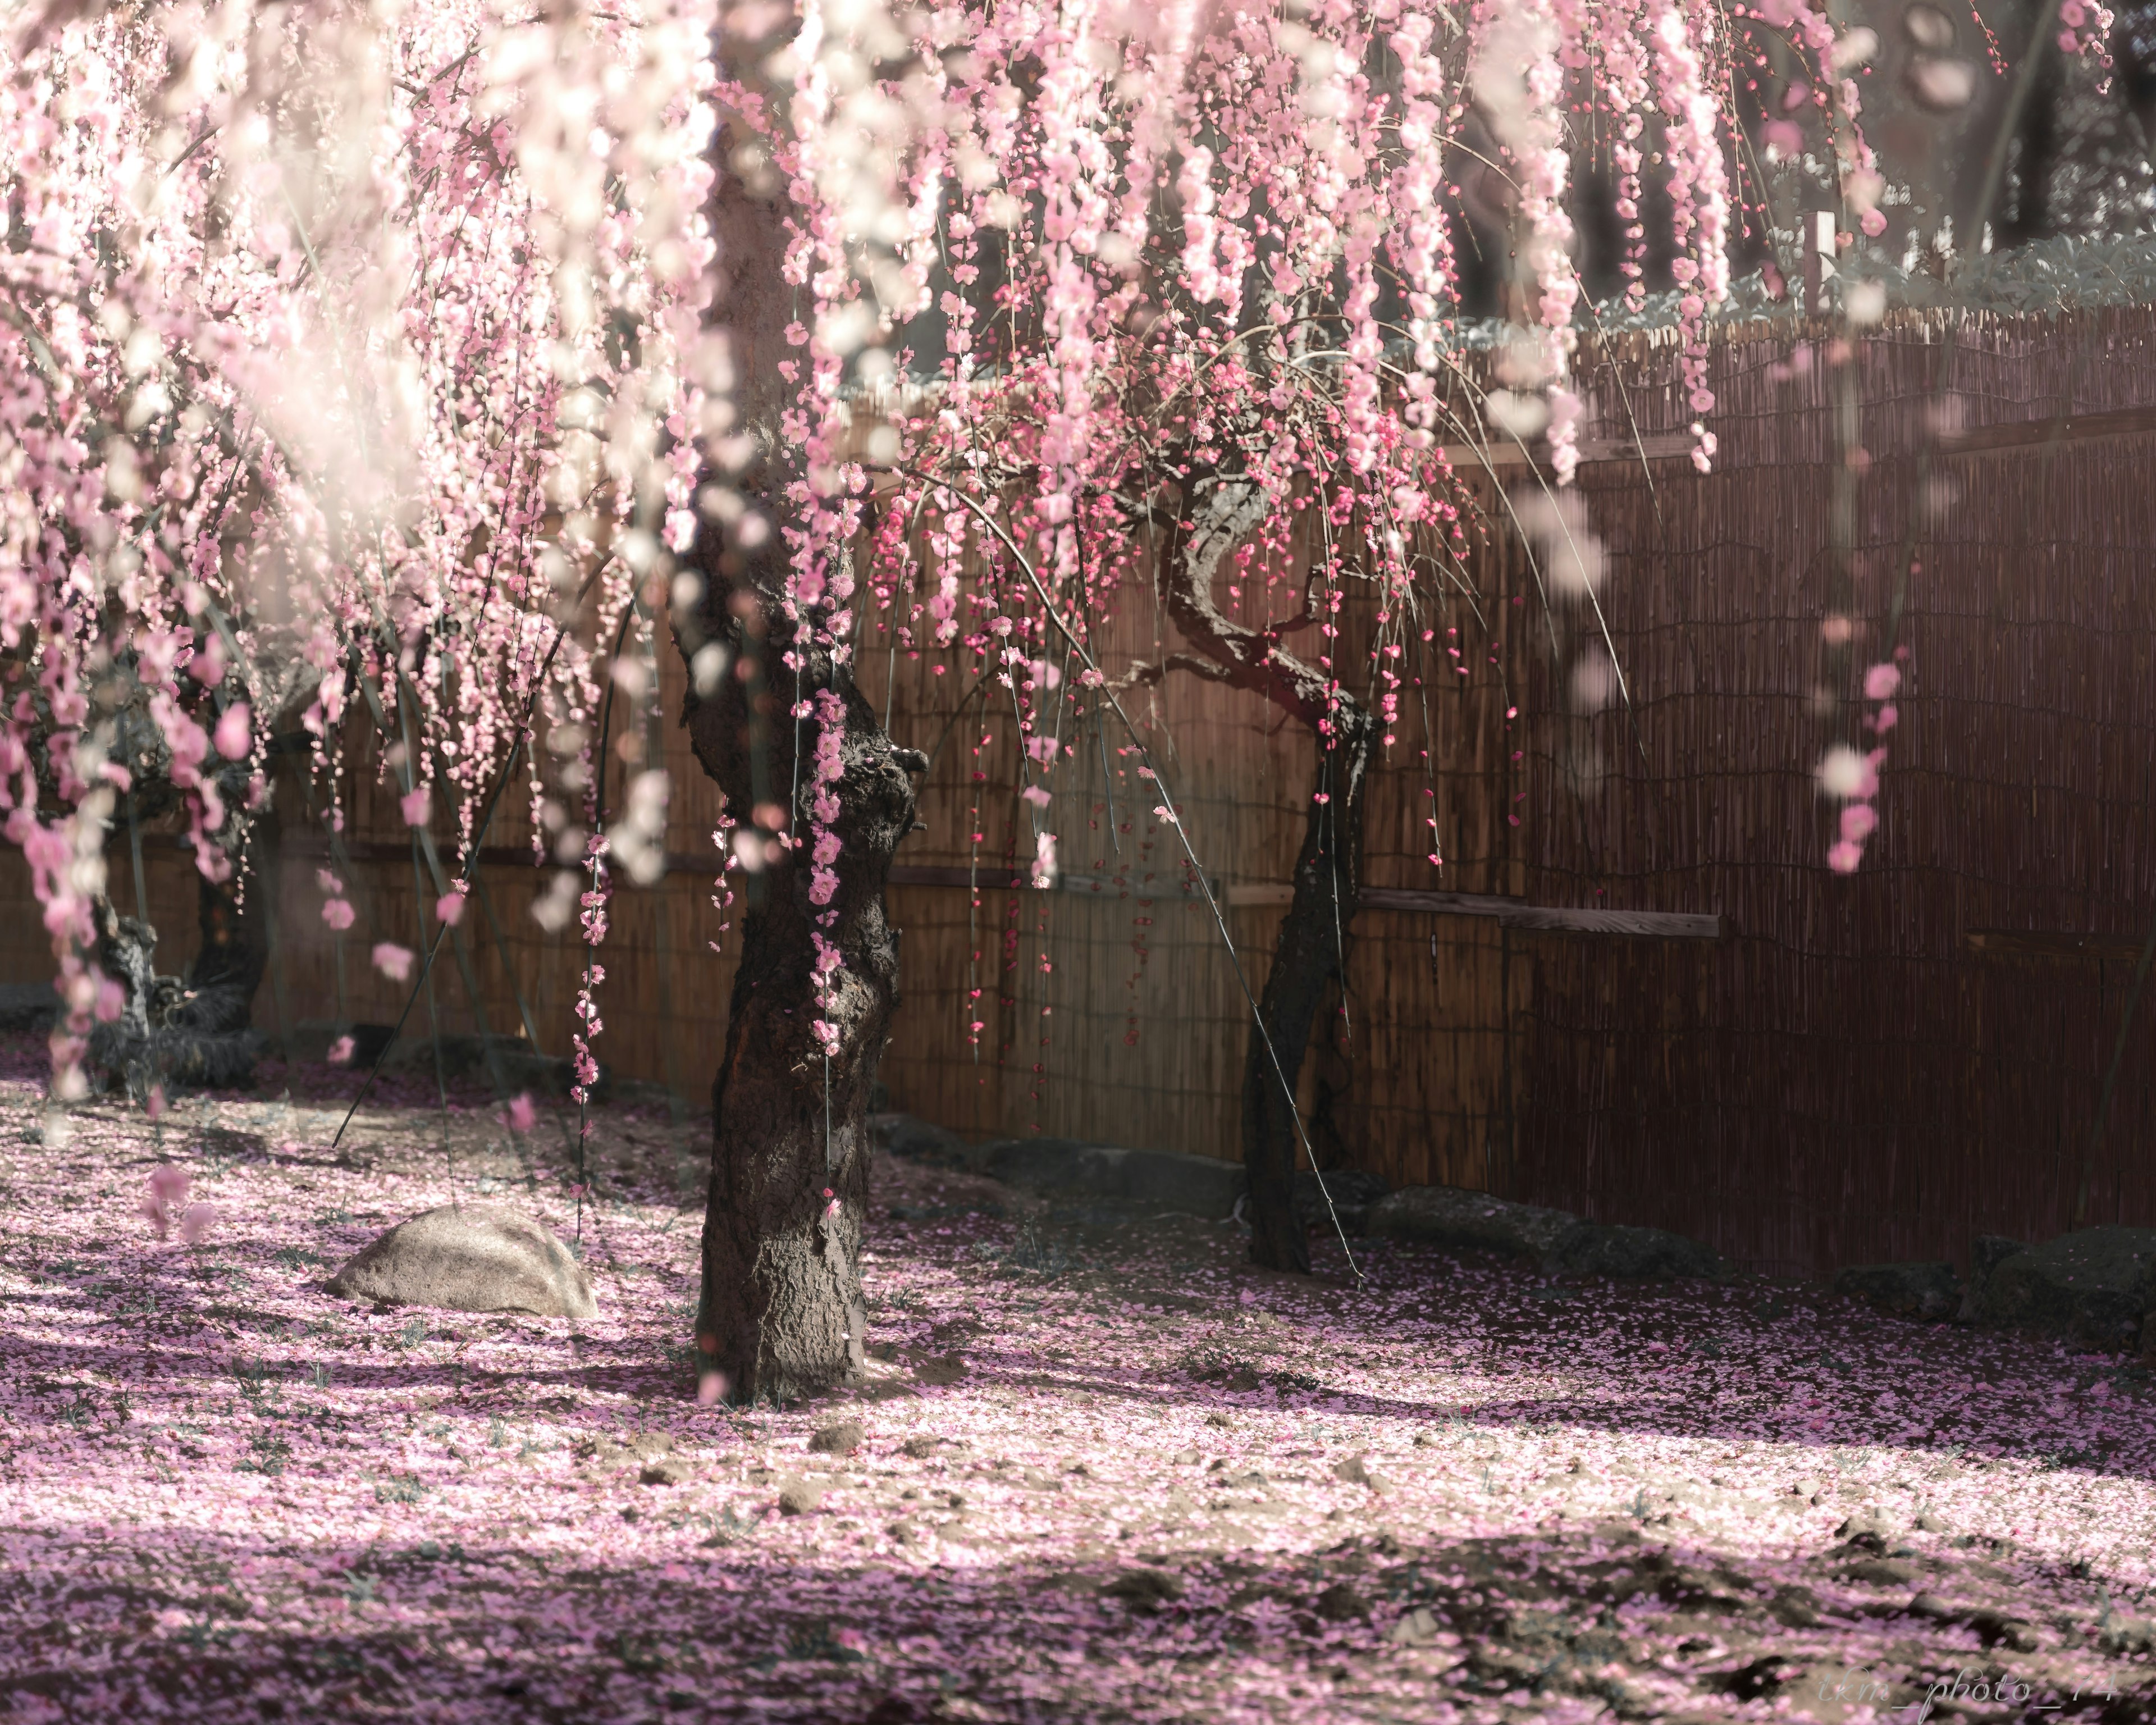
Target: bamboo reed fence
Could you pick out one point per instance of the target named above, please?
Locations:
(1634, 989)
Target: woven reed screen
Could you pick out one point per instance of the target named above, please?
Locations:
(1858, 1069)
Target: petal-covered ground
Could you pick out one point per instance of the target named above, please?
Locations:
(1105, 1471)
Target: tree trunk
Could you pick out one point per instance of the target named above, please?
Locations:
(1309, 954)
(781, 1312)
(194, 1031)
(1311, 947)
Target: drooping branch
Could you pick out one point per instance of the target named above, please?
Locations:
(1227, 510)
(1310, 952)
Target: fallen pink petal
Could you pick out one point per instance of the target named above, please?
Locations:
(1123, 1470)
(997, 864)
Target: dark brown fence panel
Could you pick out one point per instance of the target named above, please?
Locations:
(1803, 1069)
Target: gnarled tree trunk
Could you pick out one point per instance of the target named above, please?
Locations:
(1310, 952)
(781, 1310)
(1310, 955)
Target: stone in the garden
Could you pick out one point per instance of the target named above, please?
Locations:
(1557, 1240)
(1986, 1253)
(1351, 1191)
(798, 1497)
(2094, 1286)
(1618, 1251)
(1926, 1292)
(1154, 1180)
(913, 1140)
(1416, 1628)
(28, 1007)
(921, 1448)
(939, 1369)
(1143, 1589)
(1994, 1628)
(1880, 1571)
(842, 1439)
(667, 1470)
(1353, 1470)
(473, 1257)
(1341, 1603)
(1473, 1221)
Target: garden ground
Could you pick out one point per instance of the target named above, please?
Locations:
(1104, 1472)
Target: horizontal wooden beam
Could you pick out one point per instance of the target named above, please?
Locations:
(1512, 912)
(1547, 919)
(2028, 435)
(1509, 453)
(2013, 437)
(998, 878)
(2038, 944)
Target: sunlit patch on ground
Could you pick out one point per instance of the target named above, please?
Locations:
(1104, 1473)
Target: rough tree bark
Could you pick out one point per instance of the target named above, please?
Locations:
(781, 1312)
(194, 1030)
(1310, 952)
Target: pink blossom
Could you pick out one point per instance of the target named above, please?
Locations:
(416, 806)
(340, 1051)
(449, 908)
(337, 913)
(393, 960)
(235, 734)
(522, 1115)
(1882, 680)
(166, 1190)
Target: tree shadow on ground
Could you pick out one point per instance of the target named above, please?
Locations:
(741, 1622)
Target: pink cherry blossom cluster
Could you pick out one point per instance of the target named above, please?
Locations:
(344, 353)
(1196, 222)
(165, 1206)
(2084, 27)
(1854, 777)
(1699, 198)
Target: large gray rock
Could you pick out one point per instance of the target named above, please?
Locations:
(28, 1006)
(1986, 1253)
(1165, 1179)
(1557, 1241)
(1352, 1191)
(1613, 1249)
(1926, 1292)
(510, 1059)
(473, 1257)
(913, 1140)
(2096, 1287)
(1473, 1221)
